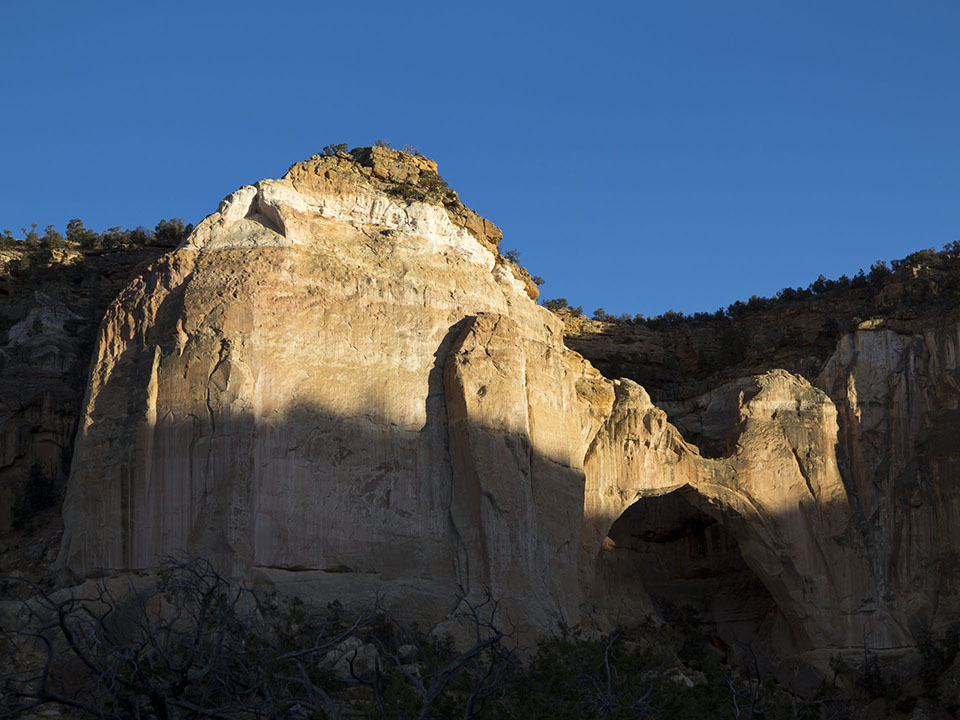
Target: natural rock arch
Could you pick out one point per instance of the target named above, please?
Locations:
(779, 494)
(669, 556)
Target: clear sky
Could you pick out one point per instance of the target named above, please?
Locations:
(640, 155)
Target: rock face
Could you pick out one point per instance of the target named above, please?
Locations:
(272, 394)
(51, 303)
(337, 383)
(892, 380)
(778, 499)
(899, 403)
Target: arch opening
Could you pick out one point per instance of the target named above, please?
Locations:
(666, 558)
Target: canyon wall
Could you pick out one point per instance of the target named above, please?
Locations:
(51, 303)
(886, 360)
(337, 385)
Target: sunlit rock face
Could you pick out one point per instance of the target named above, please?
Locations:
(898, 399)
(338, 383)
(272, 394)
(779, 496)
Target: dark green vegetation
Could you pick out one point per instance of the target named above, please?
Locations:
(339, 148)
(428, 187)
(191, 643)
(168, 233)
(38, 494)
(677, 357)
(935, 275)
(937, 656)
(558, 304)
(38, 249)
(513, 256)
(55, 288)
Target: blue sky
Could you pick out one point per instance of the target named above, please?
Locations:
(640, 155)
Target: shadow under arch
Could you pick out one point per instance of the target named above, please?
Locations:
(668, 559)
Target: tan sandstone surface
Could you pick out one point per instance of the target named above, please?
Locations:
(338, 385)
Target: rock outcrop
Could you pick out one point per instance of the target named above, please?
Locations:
(51, 303)
(272, 393)
(337, 384)
(897, 394)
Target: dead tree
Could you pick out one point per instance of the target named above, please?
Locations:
(480, 665)
(194, 643)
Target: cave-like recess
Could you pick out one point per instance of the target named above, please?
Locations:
(666, 558)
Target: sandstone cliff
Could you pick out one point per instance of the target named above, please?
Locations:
(338, 385)
(885, 359)
(272, 394)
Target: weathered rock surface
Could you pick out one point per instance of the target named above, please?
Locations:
(893, 382)
(779, 497)
(52, 303)
(336, 383)
(899, 404)
(272, 393)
